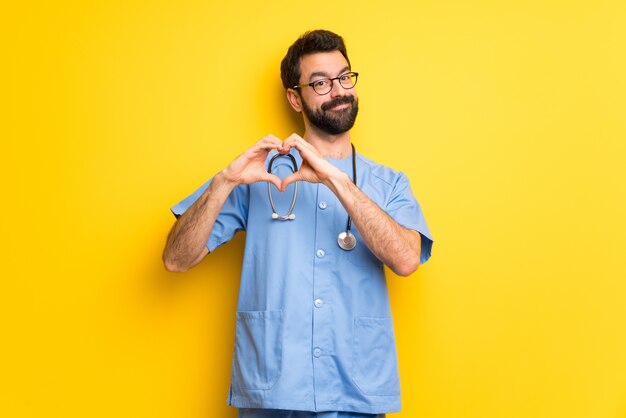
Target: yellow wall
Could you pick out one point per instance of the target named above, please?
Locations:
(509, 117)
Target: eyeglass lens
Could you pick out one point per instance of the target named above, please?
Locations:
(324, 86)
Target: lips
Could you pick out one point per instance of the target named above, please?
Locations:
(339, 106)
(338, 103)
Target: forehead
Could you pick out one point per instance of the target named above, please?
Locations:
(322, 63)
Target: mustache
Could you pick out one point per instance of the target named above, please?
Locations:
(337, 101)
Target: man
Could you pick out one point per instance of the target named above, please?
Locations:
(314, 329)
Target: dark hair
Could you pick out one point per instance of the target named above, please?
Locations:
(308, 43)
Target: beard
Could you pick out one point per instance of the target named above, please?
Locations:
(333, 122)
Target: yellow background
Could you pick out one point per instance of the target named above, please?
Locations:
(508, 117)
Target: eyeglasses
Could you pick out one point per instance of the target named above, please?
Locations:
(325, 85)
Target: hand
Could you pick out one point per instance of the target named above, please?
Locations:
(314, 168)
(249, 167)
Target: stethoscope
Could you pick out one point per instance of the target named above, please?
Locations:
(345, 239)
(291, 216)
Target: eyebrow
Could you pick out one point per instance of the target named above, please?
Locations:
(325, 74)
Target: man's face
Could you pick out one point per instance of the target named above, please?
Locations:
(335, 112)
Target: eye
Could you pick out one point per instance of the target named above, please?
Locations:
(320, 83)
(345, 77)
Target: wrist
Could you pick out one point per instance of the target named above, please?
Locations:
(223, 180)
(338, 182)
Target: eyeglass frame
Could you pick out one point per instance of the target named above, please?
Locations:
(311, 84)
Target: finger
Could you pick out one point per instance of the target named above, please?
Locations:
(284, 149)
(295, 136)
(271, 178)
(268, 143)
(299, 143)
(271, 137)
(292, 140)
(259, 148)
(289, 143)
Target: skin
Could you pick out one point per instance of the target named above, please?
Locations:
(394, 245)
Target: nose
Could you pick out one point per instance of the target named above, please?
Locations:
(336, 89)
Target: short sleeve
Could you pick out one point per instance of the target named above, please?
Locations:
(232, 218)
(406, 211)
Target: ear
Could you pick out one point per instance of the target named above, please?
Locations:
(294, 100)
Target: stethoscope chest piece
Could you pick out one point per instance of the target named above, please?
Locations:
(289, 216)
(346, 240)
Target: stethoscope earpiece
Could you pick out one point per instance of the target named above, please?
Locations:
(290, 216)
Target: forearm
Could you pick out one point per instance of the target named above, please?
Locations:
(394, 245)
(186, 243)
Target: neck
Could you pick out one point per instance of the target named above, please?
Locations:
(330, 146)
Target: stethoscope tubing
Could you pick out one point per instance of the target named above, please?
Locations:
(290, 215)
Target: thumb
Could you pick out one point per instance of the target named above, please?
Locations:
(291, 178)
(271, 178)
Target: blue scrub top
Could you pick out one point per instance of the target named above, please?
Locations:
(314, 328)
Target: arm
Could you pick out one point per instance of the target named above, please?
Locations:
(186, 243)
(394, 245)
